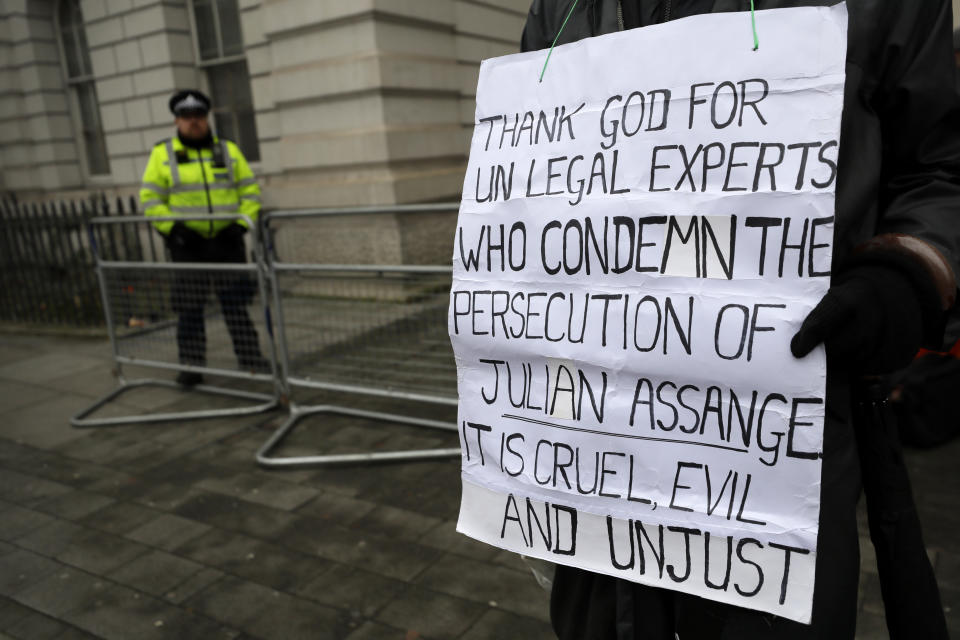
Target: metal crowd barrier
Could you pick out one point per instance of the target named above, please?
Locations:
(369, 329)
(210, 318)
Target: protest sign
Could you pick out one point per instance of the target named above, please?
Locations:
(640, 236)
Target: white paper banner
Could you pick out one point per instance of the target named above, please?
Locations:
(640, 236)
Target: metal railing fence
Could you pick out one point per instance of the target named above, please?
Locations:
(192, 317)
(368, 329)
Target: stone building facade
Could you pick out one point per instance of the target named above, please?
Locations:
(337, 102)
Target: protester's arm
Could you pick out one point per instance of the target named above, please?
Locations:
(546, 19)
(155, 190)
(919, 229)
(535, 36)
(892, 297)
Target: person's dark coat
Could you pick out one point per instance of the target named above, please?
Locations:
(898, 194)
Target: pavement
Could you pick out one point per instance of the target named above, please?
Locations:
(171, 530)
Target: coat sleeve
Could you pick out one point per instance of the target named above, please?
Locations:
(535, 31)
(248, 189)
(918, 100)
(155, 189)
(548, 19)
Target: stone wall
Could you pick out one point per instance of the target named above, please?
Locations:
(141, 52)
(370, 101)
(37, 144)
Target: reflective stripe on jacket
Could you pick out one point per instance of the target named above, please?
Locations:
(180, 180)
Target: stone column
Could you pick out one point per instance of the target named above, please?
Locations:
(37, 146)
(365, 102)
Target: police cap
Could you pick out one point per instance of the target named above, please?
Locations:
(189, 100)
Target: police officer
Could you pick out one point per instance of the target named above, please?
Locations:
(196, 173)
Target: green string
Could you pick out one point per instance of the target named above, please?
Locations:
(569, 13)
(753, 23)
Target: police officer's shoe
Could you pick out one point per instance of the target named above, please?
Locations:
(255, 364)
(189, 378)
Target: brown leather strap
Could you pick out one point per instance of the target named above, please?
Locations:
(924, 254)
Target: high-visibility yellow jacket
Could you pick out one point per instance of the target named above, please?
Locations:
(180, 180)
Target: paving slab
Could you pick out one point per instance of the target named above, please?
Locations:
(167, 531)
(27, 490)
(16, 348)
(120, 518)
(223, 453)
(12, 455)
(267, 613)
(336, 508)
(123, 486)
(16, 521)
(45, 424)
(511, 590)
(261, 562)
(156, 573)
(232, 513)
(165, 496)
(46, 367)
(75, 505)
(290, 618)
(51, 538)
(376, 631)
(495, 624)
(79, 546)
(65, 470)
(431, 614)
(14, 395)
(92, 383)
(445, 536)
(40, 627)
(362, 593)
(233, 600)
(386, 556)
(390, 521)
(99, 552)
(21, 569)
(72, 633)
(119, 613)
(12, 612)
(193, 585)
(258, 487)
(64, 590)
(98, 444)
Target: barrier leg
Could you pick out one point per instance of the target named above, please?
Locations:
(264, 402)
(298, 413)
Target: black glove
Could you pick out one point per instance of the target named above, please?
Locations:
(183, 238)
(871, 321)
(235, 230)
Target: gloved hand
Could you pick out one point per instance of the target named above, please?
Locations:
(871, 321)
(183, 237)
(235, 230)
